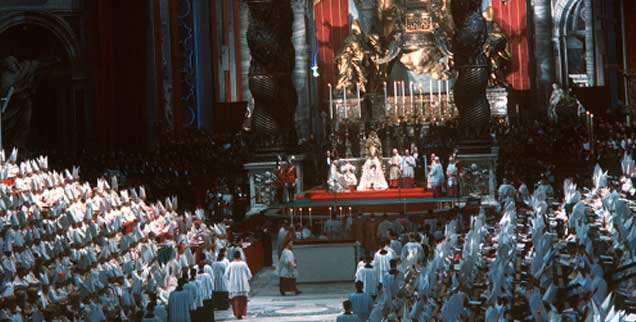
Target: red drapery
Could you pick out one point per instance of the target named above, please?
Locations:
(118, 60)
(331, 18)
(511, 16)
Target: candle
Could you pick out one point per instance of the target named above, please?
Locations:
(430, 90)
(349, 210)
(340, 209)
(447, 92)
(359, 104)
(419, 88)
(310, 221)
(291, 213)
(439, 91)
(300, 210)
(403, 97)
(411, 95)
(385, 96)
(395, 93)
(344, 101)
(330, 101)
(592, 127)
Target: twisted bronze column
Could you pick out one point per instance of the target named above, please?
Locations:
(473, 70)
(269, 40)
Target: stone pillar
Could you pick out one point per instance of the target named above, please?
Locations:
(244, 21)
(611, 58)
(589, 43)
(301, 67)
(543, 50)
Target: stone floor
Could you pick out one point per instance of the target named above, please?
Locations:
(317, 303)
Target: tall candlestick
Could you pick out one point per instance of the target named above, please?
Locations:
(330, 101)
(439, 91)
(430, 90)
(310, 221)
(291, 213)
(359, 104)
(300, 210)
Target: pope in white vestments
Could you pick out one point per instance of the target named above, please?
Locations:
(372, 175)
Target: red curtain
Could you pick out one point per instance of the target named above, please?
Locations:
(118, 68)
(511, 16)
(331, 18)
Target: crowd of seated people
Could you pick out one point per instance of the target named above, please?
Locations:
(536, 256)
(76, 252)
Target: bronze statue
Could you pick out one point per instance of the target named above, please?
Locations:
(355, 59)
(21, 77)
(498, 52)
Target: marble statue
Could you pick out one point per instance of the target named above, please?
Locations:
(22, 76)
(555, 100)
(372, 174)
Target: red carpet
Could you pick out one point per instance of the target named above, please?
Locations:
(324, 195)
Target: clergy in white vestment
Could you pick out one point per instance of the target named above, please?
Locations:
(206, 280)
(349, 179)
(408, 170)
(392, 281)
(452, 183)
(238, 276)
(453, 309)
(413, 248)
(179, 304)
(382, 262)
(369, 278)
(336, 181)
(395, 169)
(506, 190)
(436, 177)
(220, 294)
(361, 302)
(287, 271)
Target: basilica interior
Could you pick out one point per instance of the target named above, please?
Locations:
(317, 160)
